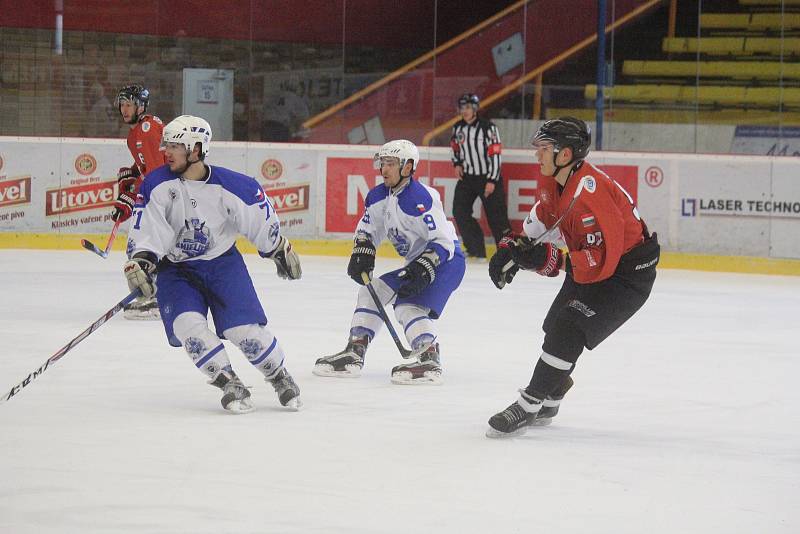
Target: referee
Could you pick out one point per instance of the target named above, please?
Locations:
(476, 147)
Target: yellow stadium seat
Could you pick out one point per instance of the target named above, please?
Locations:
(750, 21)
(683, 116)
(736, 46)
(746, 70)
(707, 95)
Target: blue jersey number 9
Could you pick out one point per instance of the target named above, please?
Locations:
(428, 218)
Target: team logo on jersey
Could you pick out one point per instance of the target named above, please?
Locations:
(146, 126)
(590, 184)
(399, 242)
(274, 230)
(271, 169)
(130, 247)
(194, 240)
(85, 164)
(587, 220)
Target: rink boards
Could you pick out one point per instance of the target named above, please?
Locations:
(712, 212)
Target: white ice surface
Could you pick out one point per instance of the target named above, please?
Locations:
(685, 421)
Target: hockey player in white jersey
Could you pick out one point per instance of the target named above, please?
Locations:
(184, 226)
(411, 216)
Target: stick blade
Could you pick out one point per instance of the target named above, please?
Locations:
(88, 245)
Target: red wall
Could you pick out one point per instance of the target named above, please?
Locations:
(368, 22)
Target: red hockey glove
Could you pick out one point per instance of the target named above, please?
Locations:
(126, 181)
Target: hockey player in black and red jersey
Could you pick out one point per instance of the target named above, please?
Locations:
(610, 267)
(144, 143)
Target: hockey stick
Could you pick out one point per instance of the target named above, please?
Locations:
(66, 348)
(404, 352)
(88, 245)
(547, 233)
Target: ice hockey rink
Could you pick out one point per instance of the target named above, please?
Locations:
(685, 421)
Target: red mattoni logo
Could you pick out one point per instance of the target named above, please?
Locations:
(293, 198)
(271, 169)
(85, 164)
(80, 198)
(16, 191)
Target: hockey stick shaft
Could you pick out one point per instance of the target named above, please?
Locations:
(66, 348)
(382, 311)
(547, 233)
(88, 245)
(404, 352)
(572, 202)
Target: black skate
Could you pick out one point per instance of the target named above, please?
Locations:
(286, 388)
(515, 419)
(551, 403)
(142, 309)
(235, 395)
(345, 364)
(426, 370)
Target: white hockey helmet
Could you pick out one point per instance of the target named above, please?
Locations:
(188, 130)
(401, 149)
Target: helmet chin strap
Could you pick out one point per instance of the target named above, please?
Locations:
(188, 163)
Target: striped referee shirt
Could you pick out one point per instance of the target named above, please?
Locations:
(477, 147)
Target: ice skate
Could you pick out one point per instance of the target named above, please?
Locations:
(551, 403)
(427, 370)
(235, 395)
(515, 420)
(286, 388)
(142, 309)
(345, 364)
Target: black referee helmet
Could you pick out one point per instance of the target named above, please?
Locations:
(471, 99)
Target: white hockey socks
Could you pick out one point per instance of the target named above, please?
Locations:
(201, 344)
(259, 346)
(418, 326)
(366, 318)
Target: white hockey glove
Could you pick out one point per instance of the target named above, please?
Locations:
(286, 260)
(141, 273)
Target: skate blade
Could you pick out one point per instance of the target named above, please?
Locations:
(238, 407)
(496, 434)
(352, 371)
(404, 378)
(295, 404)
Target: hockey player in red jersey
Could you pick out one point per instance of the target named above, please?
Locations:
(144, 143)
(610, 267)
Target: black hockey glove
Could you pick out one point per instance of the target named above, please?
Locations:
(286, 260)
(362, 260)
(418, 274)
(140, 272)
(545, 258)
(502, 268)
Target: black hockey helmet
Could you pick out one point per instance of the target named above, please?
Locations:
(469, 98)
(134, 93)
(565, 132)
